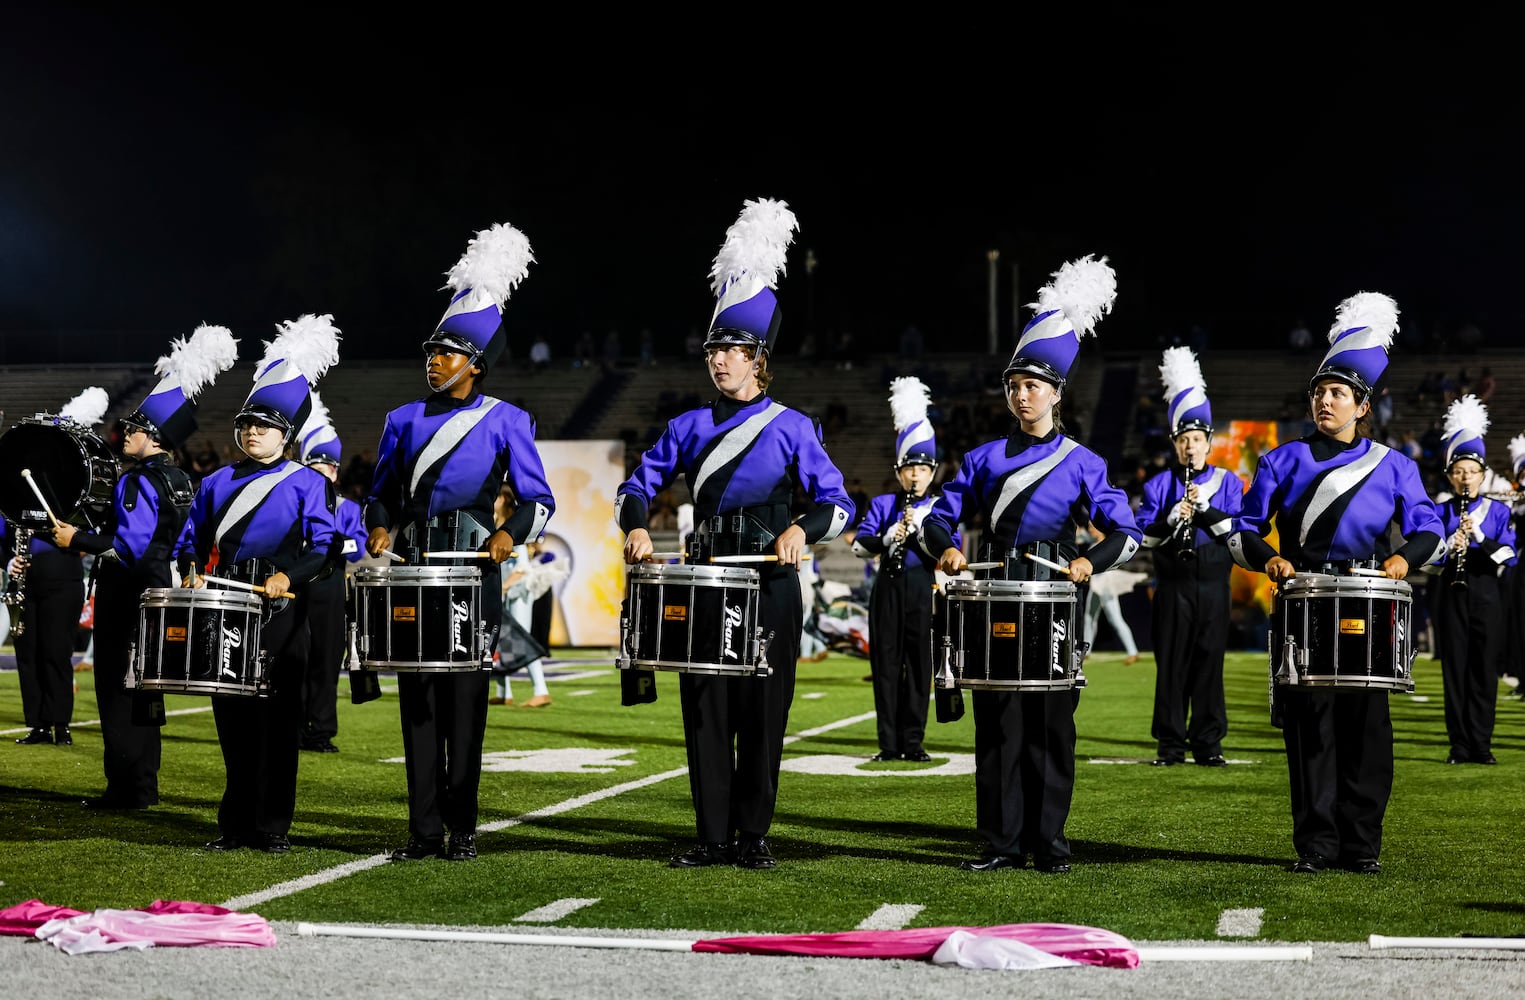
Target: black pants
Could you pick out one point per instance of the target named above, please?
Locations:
(444, 722)
(900, 653)
(132, 751)
(1340, 762)
(1190, 626)
(326, 625)
(1469, 631)
(259, 736)
(45, 648)
(733, 727)
(1024, 771)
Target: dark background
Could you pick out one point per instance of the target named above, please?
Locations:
(165, 167)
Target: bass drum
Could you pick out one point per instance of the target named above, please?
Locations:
(70, 464)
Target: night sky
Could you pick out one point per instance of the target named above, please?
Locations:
(160, 171)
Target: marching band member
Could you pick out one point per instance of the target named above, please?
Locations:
(53, 585)
(328, 613)
(1187, 514)
(1033, 489)
(271, 522)
(1467, 597)
(1333, 495)
(439, 468)
(743, 455)
(1514, 590)
(900, 602)
(132, 553)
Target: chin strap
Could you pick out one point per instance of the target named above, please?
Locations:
(470, 363)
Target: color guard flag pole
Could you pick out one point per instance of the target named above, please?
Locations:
(1377, 941)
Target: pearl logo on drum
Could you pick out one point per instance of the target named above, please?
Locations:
(733, 617)
(1056, 646)
(232, 638)
(460, 614)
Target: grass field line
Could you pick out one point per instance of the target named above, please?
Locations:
(296, 885)
(96, 722)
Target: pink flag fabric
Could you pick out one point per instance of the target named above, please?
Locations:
(162, 922)
(1087, 945)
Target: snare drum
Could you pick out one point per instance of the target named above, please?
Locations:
(423, 618)
(1012, 635)
(692, 619)
(199, 642)
(73, 468)
(1343, 632)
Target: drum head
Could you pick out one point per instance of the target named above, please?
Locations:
(59, 467)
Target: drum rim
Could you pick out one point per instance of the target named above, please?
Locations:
(412, 576)
(1331, 585)
(1011, 587)
(201, 597)
(689, 571)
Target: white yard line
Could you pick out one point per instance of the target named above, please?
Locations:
(891, 917)
(296, 885)
(96, 722)
(554, 911)
(1240, 923)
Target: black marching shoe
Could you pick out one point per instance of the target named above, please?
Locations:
(227, 842)
(1056, 866)
(882, 755)
(1310, 864)
(274, 843)
(752, 852)
(418, 850)
(919, 756)
(994, 863)
(61, 736)
(39, 734)
(319, 744)
(702, 855)
(1216, 760)
(463, 847)
(1486, 757)
(1365, 866)
(1166, 762)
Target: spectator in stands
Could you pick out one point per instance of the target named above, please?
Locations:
(1486, 385)
(1300, 339)
(648, 348)
(911, 343)
(693, 344)
(613, 350)
(858, 495)
(540, 354)
(357, 474)
(583, 352)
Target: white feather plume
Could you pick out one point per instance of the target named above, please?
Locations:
(1467, 414)
(317, 419)
(87, 408)
(1368, 309)
(1083, 289)
(909, 398)
(199, 359)
(495, 261)
(1180, 371)
(310, 342)
(756, 244)
(1516, 449)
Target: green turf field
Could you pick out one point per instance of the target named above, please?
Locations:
(585, 801)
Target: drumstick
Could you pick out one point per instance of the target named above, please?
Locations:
(665, 555)
(1365, 571)
(27, 475)
(747, 559)
(223, 581)
(457, 555)
(984, 565)
(392, 555)
(1047, 562)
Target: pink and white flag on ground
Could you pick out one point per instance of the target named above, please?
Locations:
(972, 947)
(163, 922)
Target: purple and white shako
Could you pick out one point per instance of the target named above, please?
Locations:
(168, 412)
(1068, 308)
(1186, 402)
(1363, 330)
(303, 350)
(915, 439)
(318, 440)
(745, 274)
(1463, 430)
(494, 263)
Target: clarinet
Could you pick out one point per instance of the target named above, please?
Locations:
(1186, 530)
(1459, 581)
(15, 587)
(895, 561)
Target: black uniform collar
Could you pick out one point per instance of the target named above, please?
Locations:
(725, 407)
(1325, 447)
(248, 466)
(442, 402)
(1020, 440)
